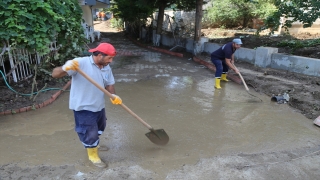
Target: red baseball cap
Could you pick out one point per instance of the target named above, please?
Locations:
(105, 48)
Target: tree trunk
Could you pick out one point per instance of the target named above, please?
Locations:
(162, 5)
(197, 33)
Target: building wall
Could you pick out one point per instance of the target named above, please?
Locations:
(297, 27)
(87, 15)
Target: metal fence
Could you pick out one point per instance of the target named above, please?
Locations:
(16, 63)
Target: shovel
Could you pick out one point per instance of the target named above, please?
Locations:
(157, 136)
(245, 85)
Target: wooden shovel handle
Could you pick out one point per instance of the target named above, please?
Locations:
(111, 96)
(244, 83)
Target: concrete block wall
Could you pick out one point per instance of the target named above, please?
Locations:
(210, 47)
(167, 40)
(265, 57)
(189, 45)
(245, 54)
(298, 64)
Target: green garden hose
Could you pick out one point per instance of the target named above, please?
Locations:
(43, 90)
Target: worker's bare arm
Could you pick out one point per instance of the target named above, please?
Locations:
(58, 72)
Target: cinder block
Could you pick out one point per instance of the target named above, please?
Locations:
(263, 56)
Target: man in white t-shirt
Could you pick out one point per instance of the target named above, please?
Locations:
(86, 100)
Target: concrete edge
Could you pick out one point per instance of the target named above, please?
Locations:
(38, 106)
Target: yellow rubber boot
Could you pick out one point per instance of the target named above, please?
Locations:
(94, 157)
(224, 77)
(217, 85)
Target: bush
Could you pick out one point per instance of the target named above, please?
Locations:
(33, 24)
(117, 23)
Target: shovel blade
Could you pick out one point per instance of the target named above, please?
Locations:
(317, 121)
(158, 136)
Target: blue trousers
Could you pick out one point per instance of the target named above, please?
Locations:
(221, 67)
(89, 126)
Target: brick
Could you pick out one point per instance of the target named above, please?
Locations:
(29, 108)
(41, 105)
(48, 101)
(7, 112)
(55, 95)
(24, 109)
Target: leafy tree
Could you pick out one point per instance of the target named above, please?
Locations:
(133, 12)
(305, 11)
(232, 13)
(140, 10)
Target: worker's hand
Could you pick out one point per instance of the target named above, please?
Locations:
(116, 100)
(71, 65)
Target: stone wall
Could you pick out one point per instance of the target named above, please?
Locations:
(176, 19)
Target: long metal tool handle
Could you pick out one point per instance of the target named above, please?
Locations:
(111, 96)
(245, 85)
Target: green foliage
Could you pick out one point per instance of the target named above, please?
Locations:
(132, 10)
(136, 12)
(296, 44)
(223, 13)
(116, 23)
(186, 5)
(33, 24)
(304, 11)
(263, 9)
(232, 13)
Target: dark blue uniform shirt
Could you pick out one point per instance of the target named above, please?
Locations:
(223, 52)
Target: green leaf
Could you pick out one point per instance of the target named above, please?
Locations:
(21, 27)
(12, 7)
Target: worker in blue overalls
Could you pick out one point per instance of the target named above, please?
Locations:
(223, 59)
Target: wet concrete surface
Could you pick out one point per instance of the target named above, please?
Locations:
(214, 134)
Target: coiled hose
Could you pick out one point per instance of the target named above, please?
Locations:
(43, 90)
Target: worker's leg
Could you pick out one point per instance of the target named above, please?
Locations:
(219, 68)
(225, 70)
(89, 125)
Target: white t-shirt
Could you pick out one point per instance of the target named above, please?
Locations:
(83, 94)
